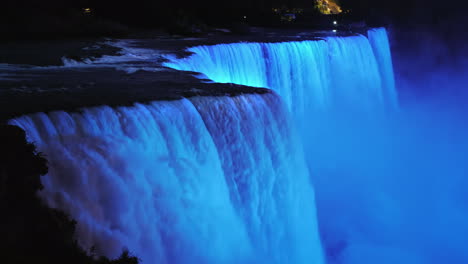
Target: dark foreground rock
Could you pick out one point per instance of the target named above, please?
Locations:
(33, 80)
(32, 232)
(71, 90)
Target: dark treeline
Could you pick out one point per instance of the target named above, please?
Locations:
(118, 17)
(56, 18)
(156, 12)
(149, 13)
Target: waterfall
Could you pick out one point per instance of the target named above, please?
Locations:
(391, 185)
(200, 180)
(341, 92)
(308, 75)
(381, 47)
(226, 180)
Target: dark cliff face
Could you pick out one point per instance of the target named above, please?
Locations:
(35, 83)
(32, 232)
(71, 90)
(20, 165)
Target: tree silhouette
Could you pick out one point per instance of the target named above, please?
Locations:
(32, 232)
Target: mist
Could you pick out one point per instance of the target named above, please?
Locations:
(390, 180)
(391, 187)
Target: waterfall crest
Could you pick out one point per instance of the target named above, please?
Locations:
(308, 75)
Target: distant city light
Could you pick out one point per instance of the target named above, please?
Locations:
(328, 7)
(335, 23)
(87, 10)
(334, 31)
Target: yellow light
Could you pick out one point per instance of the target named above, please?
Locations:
(328, 7)
(87, 10)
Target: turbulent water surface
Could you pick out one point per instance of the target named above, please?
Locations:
(226, 179)
(389, 179)
(206, 180)
(308, 75)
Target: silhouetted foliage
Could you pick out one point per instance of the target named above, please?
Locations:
(125, 258)
(30, 231)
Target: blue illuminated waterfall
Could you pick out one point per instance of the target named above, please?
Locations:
(308, 75)
(341, 91)
(205, 180)
(226, 179)
(391, 185)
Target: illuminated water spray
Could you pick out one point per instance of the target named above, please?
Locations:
(214, 179)
(207, 180)
(353, 71)
(391, 185)
(225, 180)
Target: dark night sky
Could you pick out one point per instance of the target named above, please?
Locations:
(392, 7)
(157, 13)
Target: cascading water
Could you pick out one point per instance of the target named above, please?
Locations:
(224, 180)
(270, 182)
(308, 75)
(210, 180)
(381, 46)
(205, 180)
(391, 185)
